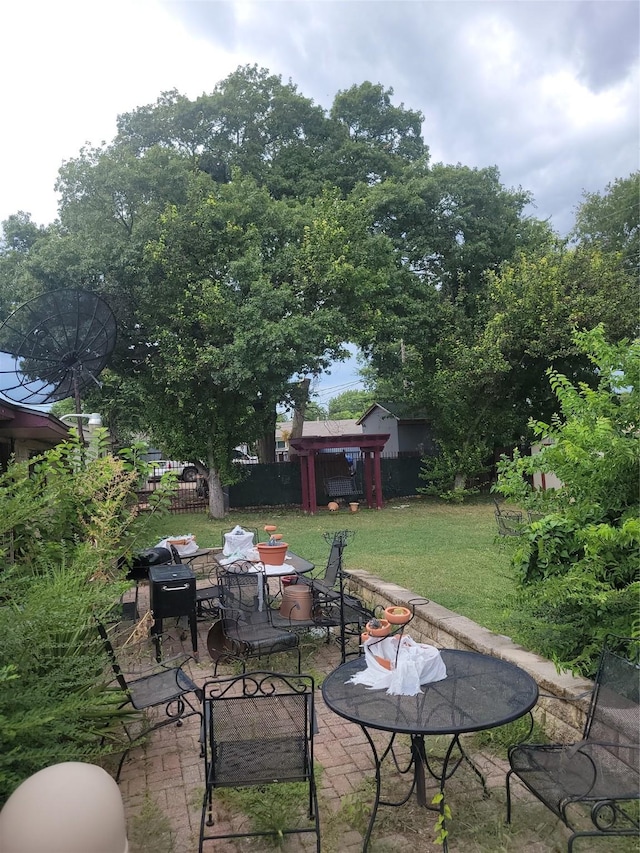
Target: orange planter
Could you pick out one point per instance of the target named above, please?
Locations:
(397, 615)
(272, 555)
(382, 631)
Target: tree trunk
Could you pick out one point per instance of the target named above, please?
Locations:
(216, 496)
(266, 446)
(301, 400)
(460, 481)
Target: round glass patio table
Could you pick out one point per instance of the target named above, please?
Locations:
(480, 692)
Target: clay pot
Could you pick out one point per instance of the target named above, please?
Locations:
(382, 631)
(364, 637)
(354, 506)
(397, 615)
(332, 506)
(383, 662)
(272, 555)
(269, 528)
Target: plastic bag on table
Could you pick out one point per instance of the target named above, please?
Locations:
(184, 545)
(237, 540)
(400, 665)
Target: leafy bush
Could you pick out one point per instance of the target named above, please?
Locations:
(448, 473)
(65, 521)
(577, 566)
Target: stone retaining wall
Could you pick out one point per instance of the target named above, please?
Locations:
(562, 720)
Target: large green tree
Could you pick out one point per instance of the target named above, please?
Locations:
(350, 404)
(258, 291)
(611, 220)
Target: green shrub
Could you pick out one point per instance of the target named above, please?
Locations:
(577, 566)
(65, 521)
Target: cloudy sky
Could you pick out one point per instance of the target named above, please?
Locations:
(547, 90)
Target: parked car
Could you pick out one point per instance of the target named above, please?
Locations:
(243, 458)
(185, 471)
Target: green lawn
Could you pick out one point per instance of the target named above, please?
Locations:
(446, 553)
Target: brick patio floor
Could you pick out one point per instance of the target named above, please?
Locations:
(164, 780)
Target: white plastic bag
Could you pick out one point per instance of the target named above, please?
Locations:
(184, 545)
(400, 670)
(238, 541)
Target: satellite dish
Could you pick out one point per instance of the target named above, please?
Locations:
(55, 345)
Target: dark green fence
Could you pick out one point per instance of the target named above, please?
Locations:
(278, 484)
(271, 484)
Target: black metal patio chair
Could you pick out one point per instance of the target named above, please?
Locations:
(245, 629)
(259, 730)
(166, 686)
(509, 522)
(333, 606)
(208, 597)
(598, 778)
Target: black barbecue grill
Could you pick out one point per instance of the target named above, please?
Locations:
(172, 592)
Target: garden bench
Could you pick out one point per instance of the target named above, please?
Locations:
(341, 487)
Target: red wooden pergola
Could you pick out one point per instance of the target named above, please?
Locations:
(370, 447)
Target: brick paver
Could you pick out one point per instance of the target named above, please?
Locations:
(166, 776)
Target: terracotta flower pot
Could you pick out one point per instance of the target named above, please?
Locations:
(272, 555)
(382, 631)
(397, 615)
(332, 506)
(354, 506)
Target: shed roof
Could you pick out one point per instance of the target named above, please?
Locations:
(401, 412)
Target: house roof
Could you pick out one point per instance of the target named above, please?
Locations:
(326, 429)
(24, 423)
(402, 413)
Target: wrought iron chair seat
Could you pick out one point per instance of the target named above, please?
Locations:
(602, 771)
(236, 762)
(259, 636)
(159, 688)
(564, 774)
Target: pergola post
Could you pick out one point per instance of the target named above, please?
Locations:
(377, 473)
(311, 479)
(304, 482)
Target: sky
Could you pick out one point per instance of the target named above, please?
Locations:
(546, 90)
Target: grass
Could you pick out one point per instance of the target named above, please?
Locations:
(446, 553)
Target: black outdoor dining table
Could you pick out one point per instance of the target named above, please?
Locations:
(480, 692)
(293, 565)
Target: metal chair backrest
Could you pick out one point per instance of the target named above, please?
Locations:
(334, 563)
(240, 594)
(259, 729)
(111, 654)
(614, 713)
